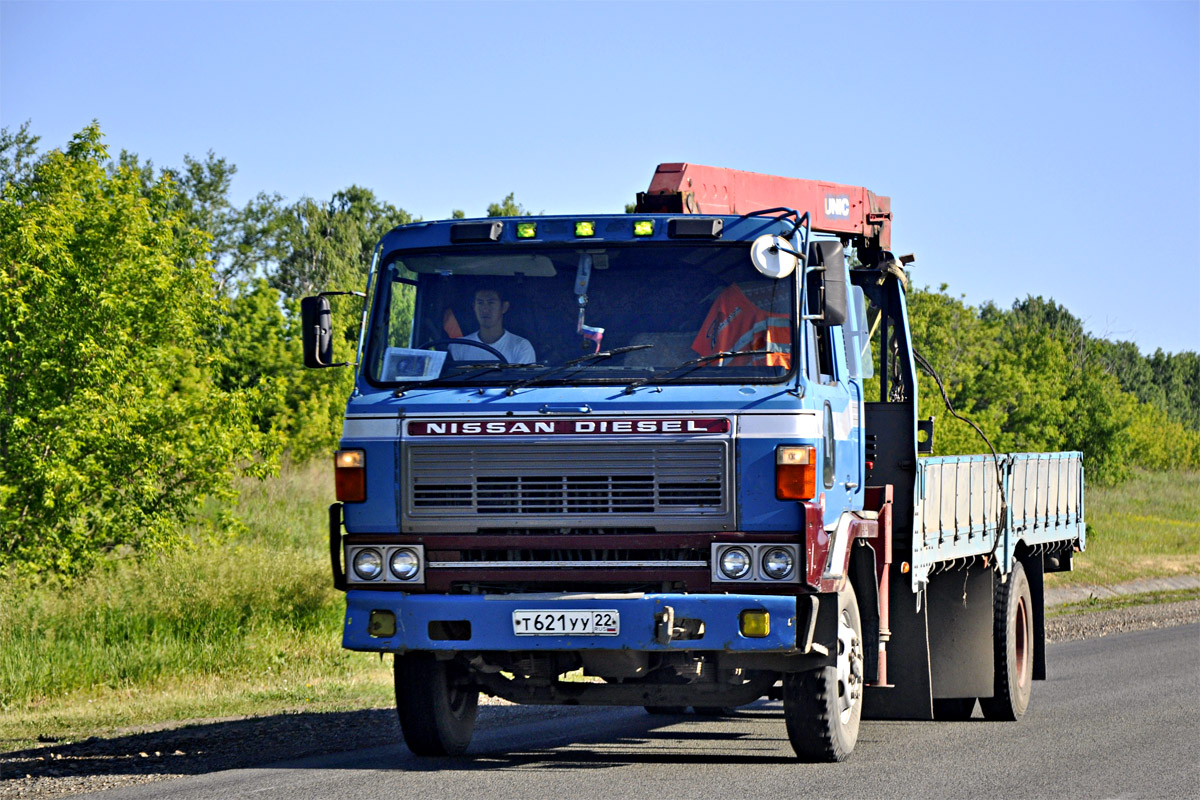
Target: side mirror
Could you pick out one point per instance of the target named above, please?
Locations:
(827, 287)
(317, 330)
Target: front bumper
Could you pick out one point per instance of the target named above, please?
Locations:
(641, 625)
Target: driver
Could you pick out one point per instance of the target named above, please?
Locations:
(490, 308)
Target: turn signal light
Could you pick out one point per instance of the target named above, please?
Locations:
(350, 475)
(755, 623)
(795, 472)
(381, 624)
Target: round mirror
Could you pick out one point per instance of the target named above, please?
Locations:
(769, 259)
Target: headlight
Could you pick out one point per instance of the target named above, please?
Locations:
(735, 563)
(777, 563)
(368, 564)
(405, 565)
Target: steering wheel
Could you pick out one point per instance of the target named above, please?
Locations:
(471, 342)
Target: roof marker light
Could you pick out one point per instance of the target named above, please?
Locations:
(526, 230)
(643, 227)
(585, 229)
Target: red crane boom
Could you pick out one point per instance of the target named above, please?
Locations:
(848, 211)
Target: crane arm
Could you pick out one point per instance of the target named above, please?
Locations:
(848, 211)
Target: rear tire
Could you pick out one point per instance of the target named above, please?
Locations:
(1012, 648)
(437, 704)
(823, 707)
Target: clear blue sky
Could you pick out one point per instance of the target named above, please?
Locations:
(1048, 148)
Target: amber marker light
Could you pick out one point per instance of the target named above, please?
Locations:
(350, 475)
(526, 230)
(643, 227)
(755, 623)
(795, 472)
(585, 229)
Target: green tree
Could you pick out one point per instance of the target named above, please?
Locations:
(1158, 442)
(18, 153)
(958, 343)
(1100, 424)
(112, 423)
(262, 350)
(508, 207)
(202, 203)
(311, 247)
(240, 240)
(257, 345)
(1029, 376)
(1178, 375)
(1125, 362)
(325, 246)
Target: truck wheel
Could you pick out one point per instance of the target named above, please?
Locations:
(436, 703)
(953, 709)
(823, 707)
(1012, 648)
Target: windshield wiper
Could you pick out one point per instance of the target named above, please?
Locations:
(683, 368)
(511, 390)
(475, 373)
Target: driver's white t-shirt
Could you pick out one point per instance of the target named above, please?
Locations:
(516, 349)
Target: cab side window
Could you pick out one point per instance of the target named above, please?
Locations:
(821, 364)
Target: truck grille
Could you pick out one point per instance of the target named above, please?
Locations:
(659, 485)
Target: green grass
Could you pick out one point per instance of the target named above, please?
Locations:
(1123, 601)
(243, 623)
(1147, 527)
(246, 622)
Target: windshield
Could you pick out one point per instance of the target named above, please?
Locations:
(556, 315)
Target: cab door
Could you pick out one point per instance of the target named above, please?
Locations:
(838, 399)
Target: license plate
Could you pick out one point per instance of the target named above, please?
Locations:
(550, 622)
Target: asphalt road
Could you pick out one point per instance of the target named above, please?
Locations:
(1119, 717)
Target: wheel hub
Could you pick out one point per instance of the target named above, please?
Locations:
(849, 667)
(1020, 645)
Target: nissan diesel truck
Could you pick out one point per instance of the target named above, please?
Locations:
(701, 484)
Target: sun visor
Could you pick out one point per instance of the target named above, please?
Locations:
(484, 264)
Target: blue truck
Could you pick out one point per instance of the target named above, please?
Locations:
(679, 465)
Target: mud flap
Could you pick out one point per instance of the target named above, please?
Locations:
(908, 659)
(1035, 574)
(960, 608)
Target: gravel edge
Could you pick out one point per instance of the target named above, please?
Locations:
(67, 768)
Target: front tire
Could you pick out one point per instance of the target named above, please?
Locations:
(1012, 649)
(437, 704)
(823, 707)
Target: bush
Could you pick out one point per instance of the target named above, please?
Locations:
(112, 423)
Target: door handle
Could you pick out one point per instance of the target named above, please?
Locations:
(549, 409)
